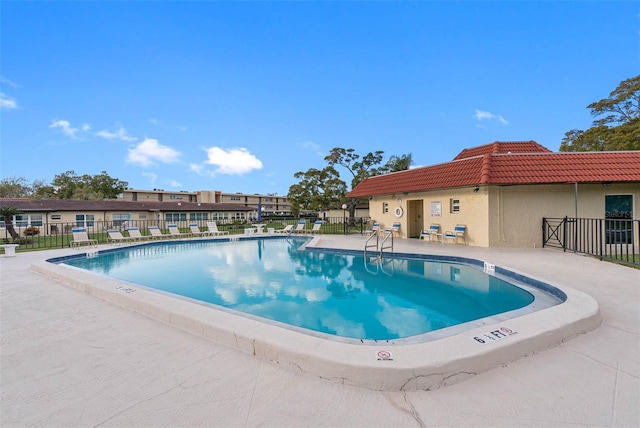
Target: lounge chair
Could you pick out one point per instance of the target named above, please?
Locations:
(458, 232)
(429, 234)
(134, 232)
(115, 237)
(175, 232)
(213, 228)
(395, 228)
(300, 227)
(373, 229)
(156, 233)
(195, 231)
(287, 229)
(317, 225)
(80, 236)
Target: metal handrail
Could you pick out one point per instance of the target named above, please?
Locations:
(386, 237)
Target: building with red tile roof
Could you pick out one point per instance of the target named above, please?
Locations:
(503, 190)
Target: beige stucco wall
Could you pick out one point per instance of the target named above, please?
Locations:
(473, 212)
(502, 216)
(516, 212)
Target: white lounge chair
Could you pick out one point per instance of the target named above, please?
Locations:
(287, 229)
(317, 225)
(195, 231)
(134, 232)
(300, 227)
(175, 232)
(156, 233)
(213, 228)
(458, 232)
(80, 236)
(115, 237)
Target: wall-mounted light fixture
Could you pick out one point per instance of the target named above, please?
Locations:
(476, 190)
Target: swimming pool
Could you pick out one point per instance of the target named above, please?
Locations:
(332, 293)
(428, 361)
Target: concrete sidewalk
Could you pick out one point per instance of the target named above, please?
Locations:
(70, 359)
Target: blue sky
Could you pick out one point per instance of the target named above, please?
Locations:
(238, 96)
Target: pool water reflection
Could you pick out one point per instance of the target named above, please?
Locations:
(338, 294)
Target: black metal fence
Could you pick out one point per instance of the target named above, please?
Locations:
(58, 235)
(610, 239)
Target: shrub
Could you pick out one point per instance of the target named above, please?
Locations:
(31, 231)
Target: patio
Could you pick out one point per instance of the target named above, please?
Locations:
(70, 359)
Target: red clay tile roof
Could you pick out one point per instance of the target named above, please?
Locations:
(503, 147)
(508, 169)
(48, 205)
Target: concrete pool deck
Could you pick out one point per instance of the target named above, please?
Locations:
(69, 359)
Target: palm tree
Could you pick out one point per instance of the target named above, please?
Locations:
(7, 214)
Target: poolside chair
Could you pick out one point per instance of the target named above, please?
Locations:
(156, 233)
(432, 232)
(395, 228)
(134, 232)
(317, 225)
(213, 228)
(300, 227)
(175, 232)
(373, 229)
(115, 237)
(458, 232)
(287, 229)
(195, 231)
(80, 236)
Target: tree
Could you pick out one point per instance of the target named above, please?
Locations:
(316, 189)
(15, 187)
(68, 185)
(7, 214)
(619, 126)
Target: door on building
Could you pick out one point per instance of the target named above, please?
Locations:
(619, 214)
(415, 218)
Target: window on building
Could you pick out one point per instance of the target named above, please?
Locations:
(85, 220)
(235, 198)
(56, 217)
(385, 208)
(175, 217)
(220, 216)
(238, 216)
(175, 197)
(455, 206)
(198, 216)
(119, 218)
(25, 220)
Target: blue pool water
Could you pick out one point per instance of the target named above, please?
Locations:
(334, 293)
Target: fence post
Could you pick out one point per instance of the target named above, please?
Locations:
(564, 234)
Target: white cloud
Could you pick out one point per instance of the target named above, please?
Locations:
(7, 103)
(485, 115)
(67, 129)
(120, 134)
(174, 183)
(236, 161)
(150, 151)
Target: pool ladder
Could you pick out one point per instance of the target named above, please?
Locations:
(379, 246)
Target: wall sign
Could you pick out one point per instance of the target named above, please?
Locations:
(436, 209)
